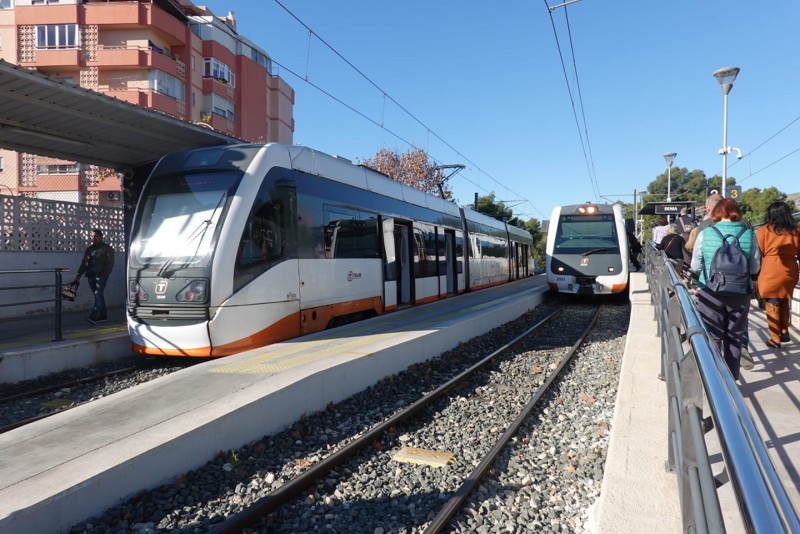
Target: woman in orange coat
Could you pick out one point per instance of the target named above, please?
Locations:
(779, 241)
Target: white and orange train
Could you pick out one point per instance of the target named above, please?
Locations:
(239, 246)
(587, 250)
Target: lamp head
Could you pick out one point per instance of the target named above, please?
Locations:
(669, 157)
(726, 76)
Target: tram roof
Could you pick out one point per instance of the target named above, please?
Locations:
(42, 115)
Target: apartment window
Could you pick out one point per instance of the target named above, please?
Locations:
(222, 107)
(1, 164)
(163, 83)
(71, 168)
(55, 36)
(43, 2)
(218, 70)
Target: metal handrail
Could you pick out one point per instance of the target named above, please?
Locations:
(57, 297)
(692, 375)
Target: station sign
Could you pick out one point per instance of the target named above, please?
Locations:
(734, 192)
(668, 209)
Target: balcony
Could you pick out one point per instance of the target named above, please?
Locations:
(146, 98)
(133, 14)
(54, 57)
(137, 57)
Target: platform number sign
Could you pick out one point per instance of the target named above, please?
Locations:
(734, 192)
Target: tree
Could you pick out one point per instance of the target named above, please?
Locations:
(755, 202)
(413, 168)
(493, 208)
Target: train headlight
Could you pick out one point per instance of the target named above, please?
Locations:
(136, 293)
(587, 209)
(194, 291)
(560, 268)
(611, 269)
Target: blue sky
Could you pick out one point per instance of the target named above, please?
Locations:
(482, 84)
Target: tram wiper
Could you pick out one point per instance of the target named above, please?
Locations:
(598, 250)
(200, 232)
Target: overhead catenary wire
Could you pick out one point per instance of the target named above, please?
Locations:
(770, 138)
(386, 95)
(584, 145)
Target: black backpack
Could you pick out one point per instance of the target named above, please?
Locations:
(729, 273)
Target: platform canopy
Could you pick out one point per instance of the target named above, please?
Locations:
(45, 116)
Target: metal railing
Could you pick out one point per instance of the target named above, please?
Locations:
(694, 370)
(56, 297)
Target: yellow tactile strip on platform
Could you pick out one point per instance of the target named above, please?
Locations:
(295, 355)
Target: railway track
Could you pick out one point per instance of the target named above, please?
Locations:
(488, 381)
(545, 479)
(38, 399)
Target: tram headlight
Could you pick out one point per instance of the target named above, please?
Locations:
(136, 292)
(194, 291)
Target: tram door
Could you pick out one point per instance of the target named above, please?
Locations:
(450, 260)
(402, 243)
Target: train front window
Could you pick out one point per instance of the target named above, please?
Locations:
(582, 234)
(179, 218)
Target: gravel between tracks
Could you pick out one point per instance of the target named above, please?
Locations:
(545, 481)
(29, 407)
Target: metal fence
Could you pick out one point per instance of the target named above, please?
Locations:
(696, 374)
(55, 298)
(30, 224)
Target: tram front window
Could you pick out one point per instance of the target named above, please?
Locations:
(179, 219)
(581, 233)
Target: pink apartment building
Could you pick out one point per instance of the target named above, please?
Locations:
(166, 55)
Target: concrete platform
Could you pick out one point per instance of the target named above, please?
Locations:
(28, 349)
(638, 493)
(61, 470)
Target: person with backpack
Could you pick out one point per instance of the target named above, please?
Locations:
(779, 241)
(727, 258)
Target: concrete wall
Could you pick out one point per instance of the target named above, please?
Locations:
(21, 289)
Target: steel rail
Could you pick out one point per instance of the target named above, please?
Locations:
(453, 504)
(292, 488)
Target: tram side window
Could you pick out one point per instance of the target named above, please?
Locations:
(352, 238)
(263, 238)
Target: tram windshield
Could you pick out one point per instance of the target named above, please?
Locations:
(179, 218)
(580, 234)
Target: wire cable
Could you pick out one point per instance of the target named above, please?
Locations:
(592, 179)
(390, 98)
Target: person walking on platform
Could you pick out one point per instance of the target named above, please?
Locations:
(634, 249)
(659, 230)
(779, 241)
(725, 315)
(97, 264)
(711, 203)
(672, 245)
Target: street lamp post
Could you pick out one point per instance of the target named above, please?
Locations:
(725, 76)
(669, 157)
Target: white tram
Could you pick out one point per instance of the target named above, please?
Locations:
(240, 246)
(587, 250)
